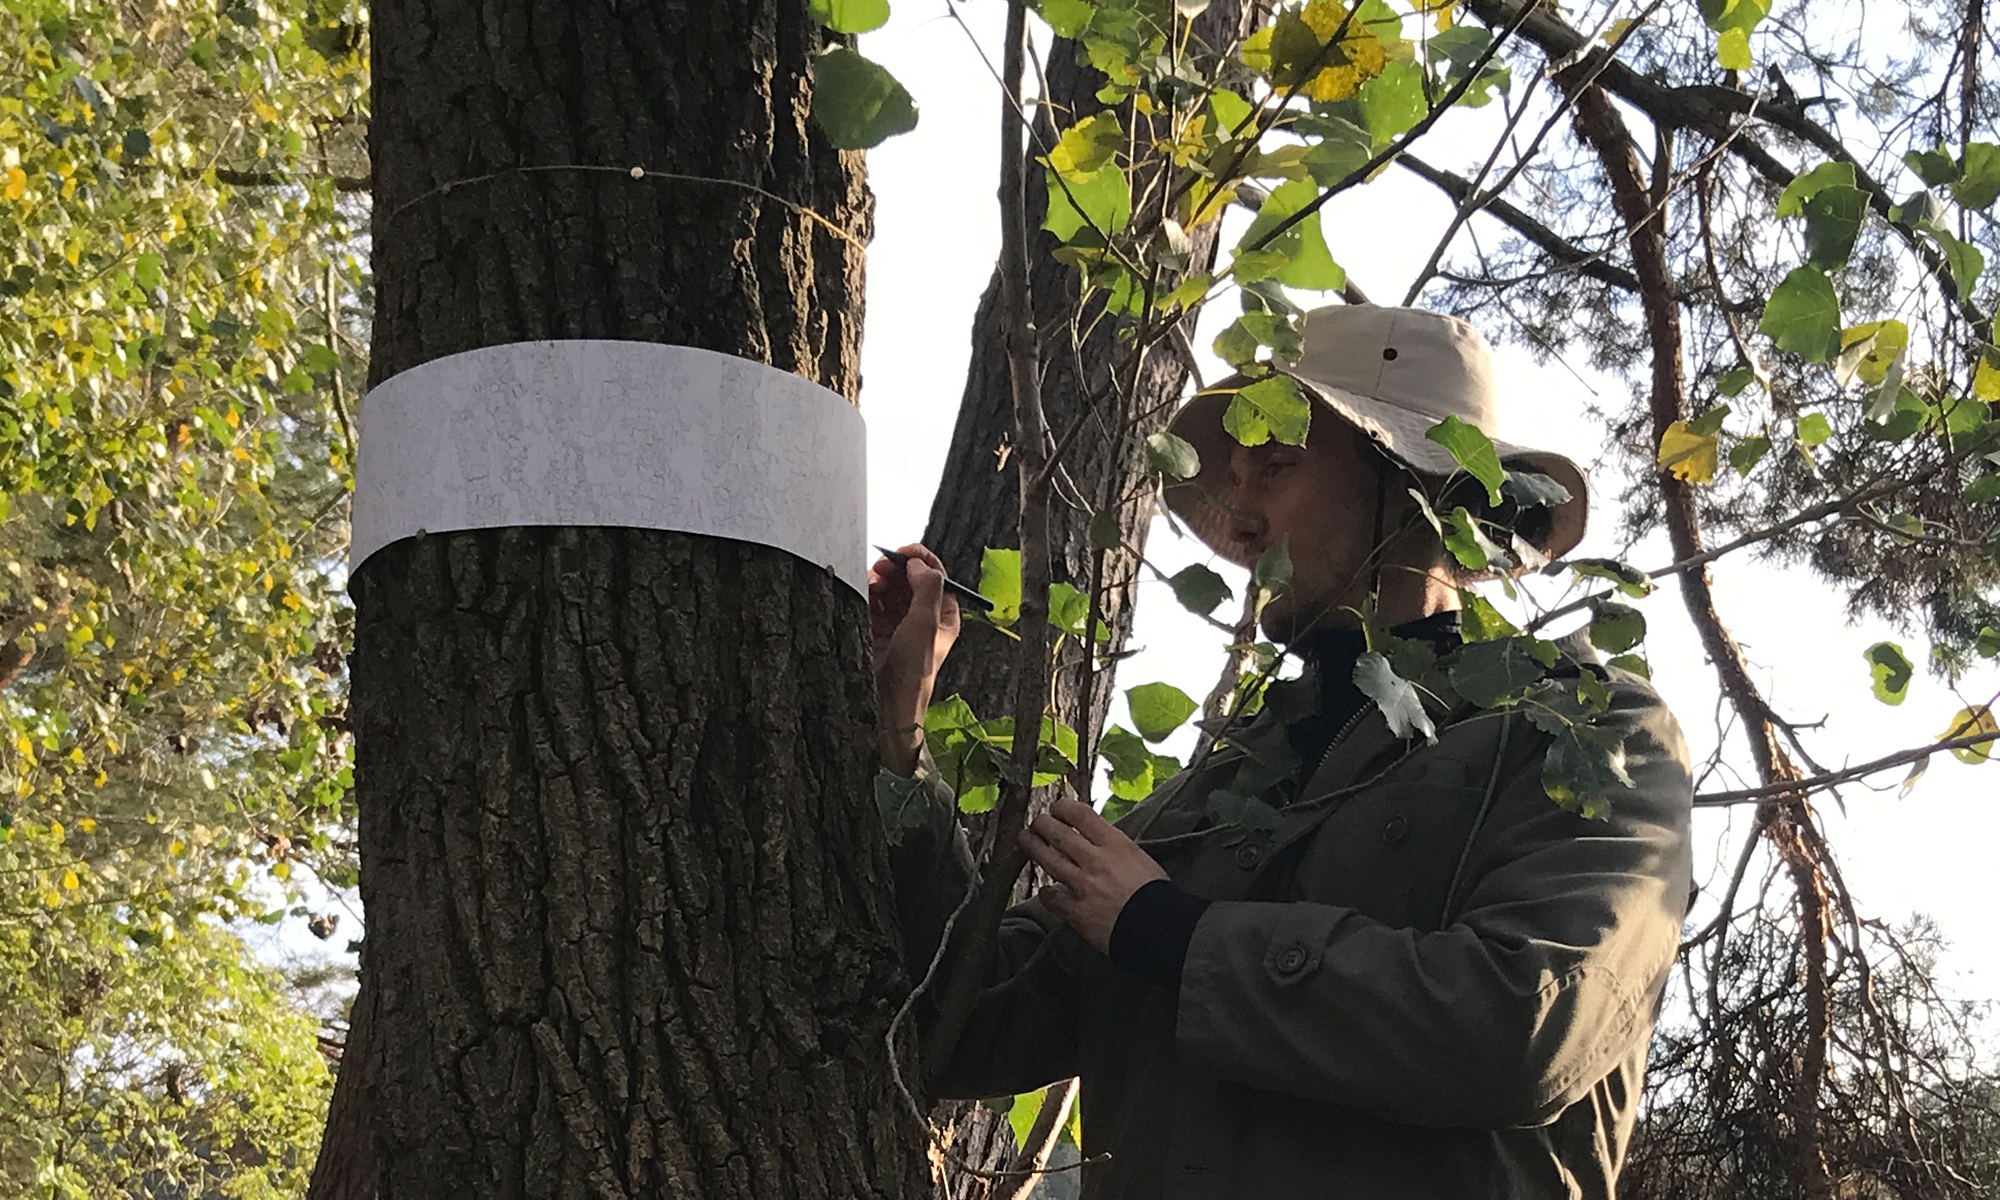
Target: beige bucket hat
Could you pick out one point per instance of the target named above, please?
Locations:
(1392, 373)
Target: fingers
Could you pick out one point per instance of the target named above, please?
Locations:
(922, 554)
(1085, 820)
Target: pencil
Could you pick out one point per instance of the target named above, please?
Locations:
(966, 595)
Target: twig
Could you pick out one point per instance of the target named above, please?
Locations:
(1005, 857)
(1020, 1177)
(1819, 783)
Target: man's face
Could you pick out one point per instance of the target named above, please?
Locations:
(1320, 499)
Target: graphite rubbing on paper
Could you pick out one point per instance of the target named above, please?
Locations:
(596, 432)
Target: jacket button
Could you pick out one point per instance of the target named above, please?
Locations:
(1291, 959)
(1248, 855)
(1394, 830)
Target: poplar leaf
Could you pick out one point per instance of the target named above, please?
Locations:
(1158, 709)
(1970, 722)
(1690, 456)
(1473, 451)
(1803, 315)
(858, 102)
(1890, 670)
(1396, 696)
(1272, 407)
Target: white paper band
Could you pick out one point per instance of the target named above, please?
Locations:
(614, 433)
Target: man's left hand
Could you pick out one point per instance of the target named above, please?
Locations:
(1096, 867)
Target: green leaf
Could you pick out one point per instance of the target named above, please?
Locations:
(1396, 696)
(1616, 628)
(1393, 102)
(1069, 609)
(1308, 262)
(1747, 453)
(1833, 221)
(1473, 451)
(902, 803)
(1158, 709)
(1988, 642)
(1732, 50)
(1199, 589)
(849, 16)
(1248, 813)
(1734, 380)
(1725, 15)
(1172, 455)
(1983, 490)
(1890, 670)
(1273, 571)
(1935, 167)
(857, 102)
(1272, 407)
(1978, 184)
(1630, 579)
(1813, 429)
(1964, 259)
(1791, 202)
(1633, 663)
(1342, 149)
(1491, 673)
(1479, 621)
(1803, 315)
(1869, 350)
(1106, 532)
(1068, 18)
(1000, 582)
(1087, 147)
(1100, 201)
(1584, 766)
(146, 270)
(1132, 766)
(1467, 542)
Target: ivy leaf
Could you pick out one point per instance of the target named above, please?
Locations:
(1172, 455)
(1803, 315)
(1689, 455)
(1616, 628)
(1492, 673)
(858, 102)
(1272, 407)
(1971, 722)
(1000, 582)
(849, 16)
(1199, 589)
(1158, 709)
(1396, 696)
(1890, 670)
(1473, 451)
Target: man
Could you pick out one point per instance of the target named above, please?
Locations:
(1413, 975)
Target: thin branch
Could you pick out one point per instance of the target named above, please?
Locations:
(1819, 783)
(1559, 248)
(1028, 1166)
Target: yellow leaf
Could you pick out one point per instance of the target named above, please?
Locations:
(282, 870)
(176, 848)
(16, 185)
(24, 745)
(1689, 455)
(292, 600)
(52, 898)
(1986, 378)
(1972, 722)
(87, 824)
(56, 832)
(69, 880)
(101, 780)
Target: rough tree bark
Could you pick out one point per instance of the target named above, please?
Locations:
(629, 931)
(976, 505)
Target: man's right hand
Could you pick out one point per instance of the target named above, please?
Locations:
(915, 622)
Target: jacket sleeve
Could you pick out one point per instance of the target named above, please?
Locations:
(1021, 1034)
(1546, 981)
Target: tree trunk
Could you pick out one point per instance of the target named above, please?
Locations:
(629, 928)
(977, 505)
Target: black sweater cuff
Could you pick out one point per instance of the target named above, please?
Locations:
(1151, 935)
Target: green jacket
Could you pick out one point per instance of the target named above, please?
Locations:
(1436, 984)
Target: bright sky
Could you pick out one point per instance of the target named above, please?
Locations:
(937, 234)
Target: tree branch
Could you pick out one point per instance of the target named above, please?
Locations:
(1558, 247)
(1820, 783)
(1019, 1179)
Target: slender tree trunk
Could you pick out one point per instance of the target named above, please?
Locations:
(629, 930)
(977, 503)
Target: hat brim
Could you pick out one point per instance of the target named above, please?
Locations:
(1397, 431)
